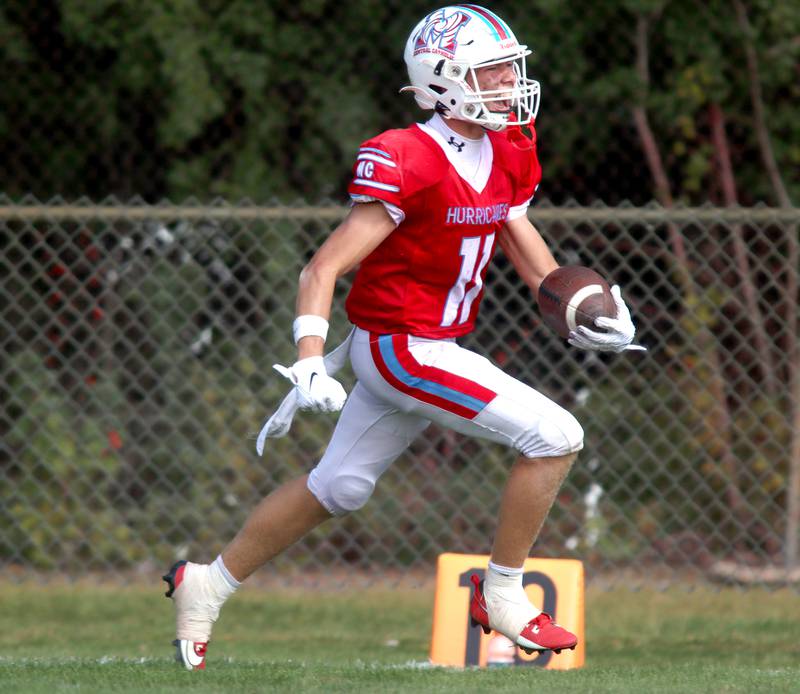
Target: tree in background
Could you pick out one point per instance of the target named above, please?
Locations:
(257, 99)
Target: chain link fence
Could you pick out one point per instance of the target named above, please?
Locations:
(137, 344)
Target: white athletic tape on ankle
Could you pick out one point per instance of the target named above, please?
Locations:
(309, 324)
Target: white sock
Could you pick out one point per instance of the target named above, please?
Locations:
(506, 601)
(506, 571)
(220, 580)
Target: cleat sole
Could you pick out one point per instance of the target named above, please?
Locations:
(557, 651)
(169, 577)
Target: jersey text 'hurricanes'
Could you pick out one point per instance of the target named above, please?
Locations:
(477, 215)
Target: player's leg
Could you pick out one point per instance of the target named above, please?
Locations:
(548, 449)
(280, 519)
(464, 391)
(199, 590)
(368, 437)
(501, 602)
(529, 493)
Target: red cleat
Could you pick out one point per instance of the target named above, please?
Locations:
(478, 614)
(540, 634)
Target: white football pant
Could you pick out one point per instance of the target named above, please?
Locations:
(404, 384)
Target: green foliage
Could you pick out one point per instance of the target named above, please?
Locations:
(57, 495)
(117, 453)
(258, 99)
(669, 460)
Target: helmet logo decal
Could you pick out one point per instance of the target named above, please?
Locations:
(440, 32)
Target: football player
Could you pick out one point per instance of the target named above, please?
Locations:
(431, 203)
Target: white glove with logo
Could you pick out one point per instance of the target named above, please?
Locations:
(279, 423)
(316, 391)
(619, 331)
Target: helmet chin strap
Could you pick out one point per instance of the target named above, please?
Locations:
(490, 124)
(426, 101)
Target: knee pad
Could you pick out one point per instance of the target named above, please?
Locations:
(565, 433)
(558, 434)
(346, 493)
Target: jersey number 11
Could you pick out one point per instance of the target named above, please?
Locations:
(473, 260)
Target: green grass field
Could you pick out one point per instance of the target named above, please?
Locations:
(59, 639)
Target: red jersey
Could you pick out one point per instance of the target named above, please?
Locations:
(426, 278)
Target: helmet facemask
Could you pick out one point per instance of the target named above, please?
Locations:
(523, 97)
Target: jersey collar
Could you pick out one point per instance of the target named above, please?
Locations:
(438, 130)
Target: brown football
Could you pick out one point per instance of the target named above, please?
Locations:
(574, 295)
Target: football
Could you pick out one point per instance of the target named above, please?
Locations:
(574, 295)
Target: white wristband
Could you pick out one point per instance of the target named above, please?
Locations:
(304, 326)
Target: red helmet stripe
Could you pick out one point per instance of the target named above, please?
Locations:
(491, 18)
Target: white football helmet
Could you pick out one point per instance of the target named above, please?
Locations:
(446, 47)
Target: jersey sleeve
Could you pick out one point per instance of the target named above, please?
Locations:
(394, 211)
(377, 174)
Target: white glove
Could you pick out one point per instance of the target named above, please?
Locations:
(280, 421)
(619, 331)
(316, 391)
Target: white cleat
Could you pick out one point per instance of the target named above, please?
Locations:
(195, 613)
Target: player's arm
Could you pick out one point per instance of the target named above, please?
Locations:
(364, 228)
(362, 231)
(532, 259)
(527, 251)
